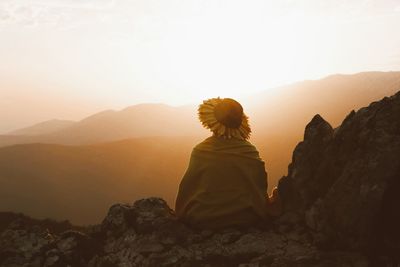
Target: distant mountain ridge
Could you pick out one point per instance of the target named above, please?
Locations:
(332, 97)
(142, 120)
(46, 127)
(274, 112)
(136, 121)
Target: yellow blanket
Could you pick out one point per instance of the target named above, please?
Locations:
(224, 185)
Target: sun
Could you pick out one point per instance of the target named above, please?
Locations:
(213, 57)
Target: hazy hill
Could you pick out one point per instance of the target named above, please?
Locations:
(42, 128)
(278, 116)
(290, 107)
(80, 182)
(136, 121)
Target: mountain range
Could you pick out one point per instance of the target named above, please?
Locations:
(65, 169)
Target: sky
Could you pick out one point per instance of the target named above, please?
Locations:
(67, 59)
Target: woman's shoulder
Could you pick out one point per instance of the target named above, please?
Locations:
(214, 143)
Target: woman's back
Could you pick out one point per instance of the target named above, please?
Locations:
(224, 185)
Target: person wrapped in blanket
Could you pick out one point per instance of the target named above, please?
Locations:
(225, 183)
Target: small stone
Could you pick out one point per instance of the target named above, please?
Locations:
(253, 264)
(230, 237)
(207, 233)
(51, 260)
(168, 241)
(151, 247)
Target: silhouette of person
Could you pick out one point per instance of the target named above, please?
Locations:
(225, 183)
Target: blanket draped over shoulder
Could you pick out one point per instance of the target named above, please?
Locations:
(224, 185)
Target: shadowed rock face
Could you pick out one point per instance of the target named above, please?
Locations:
(343, 181)
(341, 198)
(303, 186)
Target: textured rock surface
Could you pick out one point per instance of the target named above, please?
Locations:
(148, 234)
(346, 182)
(341, 198)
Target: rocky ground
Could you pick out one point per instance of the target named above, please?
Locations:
(341, 199)
(148, 234)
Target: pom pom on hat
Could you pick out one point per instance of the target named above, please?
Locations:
(225, 118)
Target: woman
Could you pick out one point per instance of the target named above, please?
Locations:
(226, 182)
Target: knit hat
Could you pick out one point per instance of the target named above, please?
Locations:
(225, 118)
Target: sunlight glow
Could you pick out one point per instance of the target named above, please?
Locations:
(114, 53)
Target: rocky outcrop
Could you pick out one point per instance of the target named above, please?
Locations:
(340, 197)
(345, 183)
(147, 233)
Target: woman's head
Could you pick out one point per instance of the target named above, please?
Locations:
(225, 118)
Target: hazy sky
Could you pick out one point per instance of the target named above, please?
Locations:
(69, 58)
